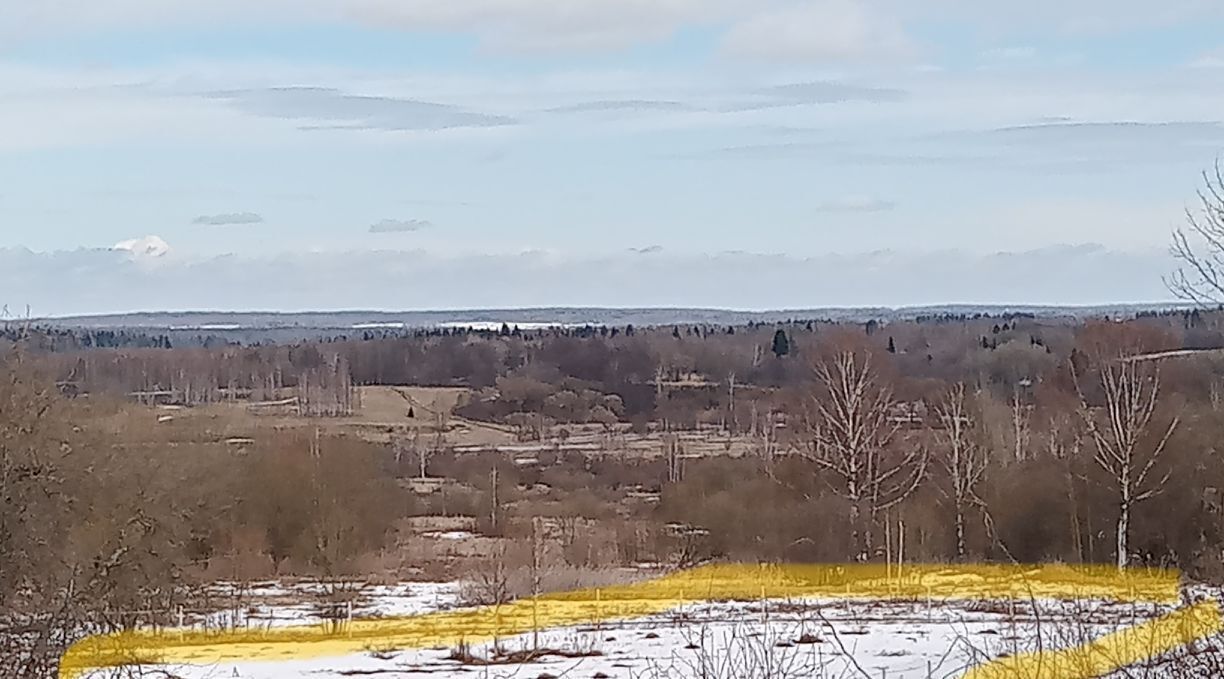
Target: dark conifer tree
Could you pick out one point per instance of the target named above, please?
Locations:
(781, 343)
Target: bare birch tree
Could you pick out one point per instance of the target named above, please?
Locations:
(1199, 245)
(850, 433)
(1020, 424)
(1121, 428)
(962, 459)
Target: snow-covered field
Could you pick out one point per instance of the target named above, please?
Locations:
(270, 605)
(713, 640)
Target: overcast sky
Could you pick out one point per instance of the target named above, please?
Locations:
(299, 154)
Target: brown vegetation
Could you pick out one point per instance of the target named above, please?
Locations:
(528, 461)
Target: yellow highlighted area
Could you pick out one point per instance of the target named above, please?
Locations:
(710, 583)
(1112, 651)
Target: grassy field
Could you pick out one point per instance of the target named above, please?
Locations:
(382, 413)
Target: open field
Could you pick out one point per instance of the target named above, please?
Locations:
(799, 638)
(379, 412)
(382, 413)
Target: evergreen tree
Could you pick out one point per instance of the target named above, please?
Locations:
(781, 343)
(892, 346)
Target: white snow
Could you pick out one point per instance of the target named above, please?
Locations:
(450, 535)
(209, 326)
(270, 605)
(723, 640)
(497, 325)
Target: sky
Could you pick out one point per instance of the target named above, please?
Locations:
(755, 154)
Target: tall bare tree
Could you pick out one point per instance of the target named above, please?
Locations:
(961, 457)
(1127, 443)
(850, 432)
(1199, 245)
(1020, 424)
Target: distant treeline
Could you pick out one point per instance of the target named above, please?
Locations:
(65, 337)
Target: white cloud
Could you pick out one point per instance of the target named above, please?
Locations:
(621, 106)
(147, 247)
(545, 25)
(820, 30)
(262, 104)
(1211, 59)
(1075, 18)
(229, 219)
(1014, 53)
(856, 204)
(96, 281)
(519, 25)
(1208, 62)
(400, 226)
(64, 107)
(327, 108)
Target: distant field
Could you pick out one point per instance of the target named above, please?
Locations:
(382, 412)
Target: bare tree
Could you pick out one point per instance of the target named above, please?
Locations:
(1199, 246)
(732, 423)
(672, 453)
(442, 417)
(1064, 442)
(963, 460)
(768, 436)
(1020, 424)
(84, 532)
(410, 448)
(849, 431)
(1120, 428)
(327, 390)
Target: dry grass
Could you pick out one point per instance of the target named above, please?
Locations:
(463, 655)
(493, 582)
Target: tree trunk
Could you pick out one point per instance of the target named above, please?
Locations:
(868, 521)
(960, 532)
(856, 530)
(1123, 535)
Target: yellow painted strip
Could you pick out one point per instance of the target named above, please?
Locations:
(1113, 651)
(565, 609)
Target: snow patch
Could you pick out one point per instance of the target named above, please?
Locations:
(450, 535)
